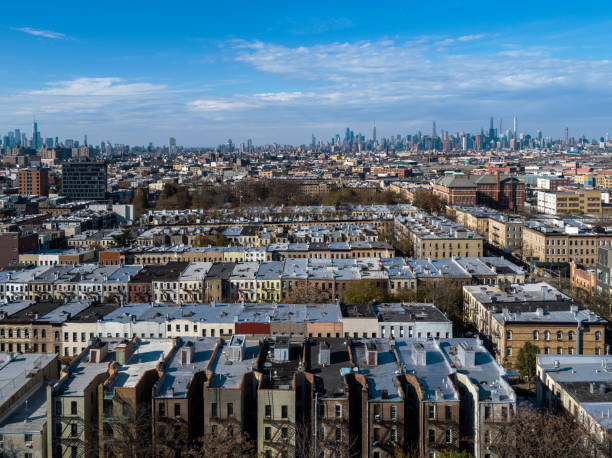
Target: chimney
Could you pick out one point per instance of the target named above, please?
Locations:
(371, 354)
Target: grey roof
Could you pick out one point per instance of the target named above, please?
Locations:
(228, 373)
(178, 376)
(14, 370)
(381, 378)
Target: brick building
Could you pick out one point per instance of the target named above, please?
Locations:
(495, 191)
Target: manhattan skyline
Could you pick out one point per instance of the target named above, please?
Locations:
(207, 73)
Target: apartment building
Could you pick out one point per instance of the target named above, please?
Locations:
(570, 202)
(480, 302)
(36, 327)
(178, 395)
(72, 403)
(230, 391)
(506, 232)
(331, 406)
(381, 396)
(545, 243)
(603, 271)
(562, 332)
(33, 182)
(24, 378)
(418, 320)
(283, 400)
(580, 386)
(127, 394)
(438, 237)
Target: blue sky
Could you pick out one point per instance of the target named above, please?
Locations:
(133, 72)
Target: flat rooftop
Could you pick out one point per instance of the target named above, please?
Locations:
(228, 372)
(14, 371)
(382, 376)
(147, 355)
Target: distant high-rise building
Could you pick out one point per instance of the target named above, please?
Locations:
(69, 143)
(250, 145)
(566, 135)
(36, 143)
(515, 127)
(374, 133)
(434, 134)
(313, 143)
(84, 180)
(17, 137)
(85, 140)
(491, 130)
(172, 144)
(49, 142)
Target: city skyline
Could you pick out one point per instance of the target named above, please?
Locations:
(209, 73)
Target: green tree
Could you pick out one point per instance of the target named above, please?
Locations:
(526, 360)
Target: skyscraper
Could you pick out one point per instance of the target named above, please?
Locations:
(491, 129)
(515, 127)
(172, 144)
(36, 143)
(374, 133)
(434, 134)
(18, 137)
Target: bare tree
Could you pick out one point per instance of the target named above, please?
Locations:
(224, 442)
(540, 434)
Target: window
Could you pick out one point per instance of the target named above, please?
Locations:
(58, 407)
(268, 433)
(177, 410)
(268, 411)
(73, 407)
(504, 412)
(431, 412)
(338, 433)
(559, 335)
(449, 436)
(536, 335)
(394, 434)
(597, 335)
(162, 410)
(570, 335)
(448, 414)
(213, 409)
(27, 437)
(431, 436)
(73, 429)
(393, 412)
(74, 451)
(487, 412)
(508, 335)
(509, 351)
(284, 433)
(376, 434)
(58, 429)
(230, 409)
(338, 410)
(546, 335)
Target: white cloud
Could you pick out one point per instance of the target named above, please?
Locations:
(43, 33)
(99, 87)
